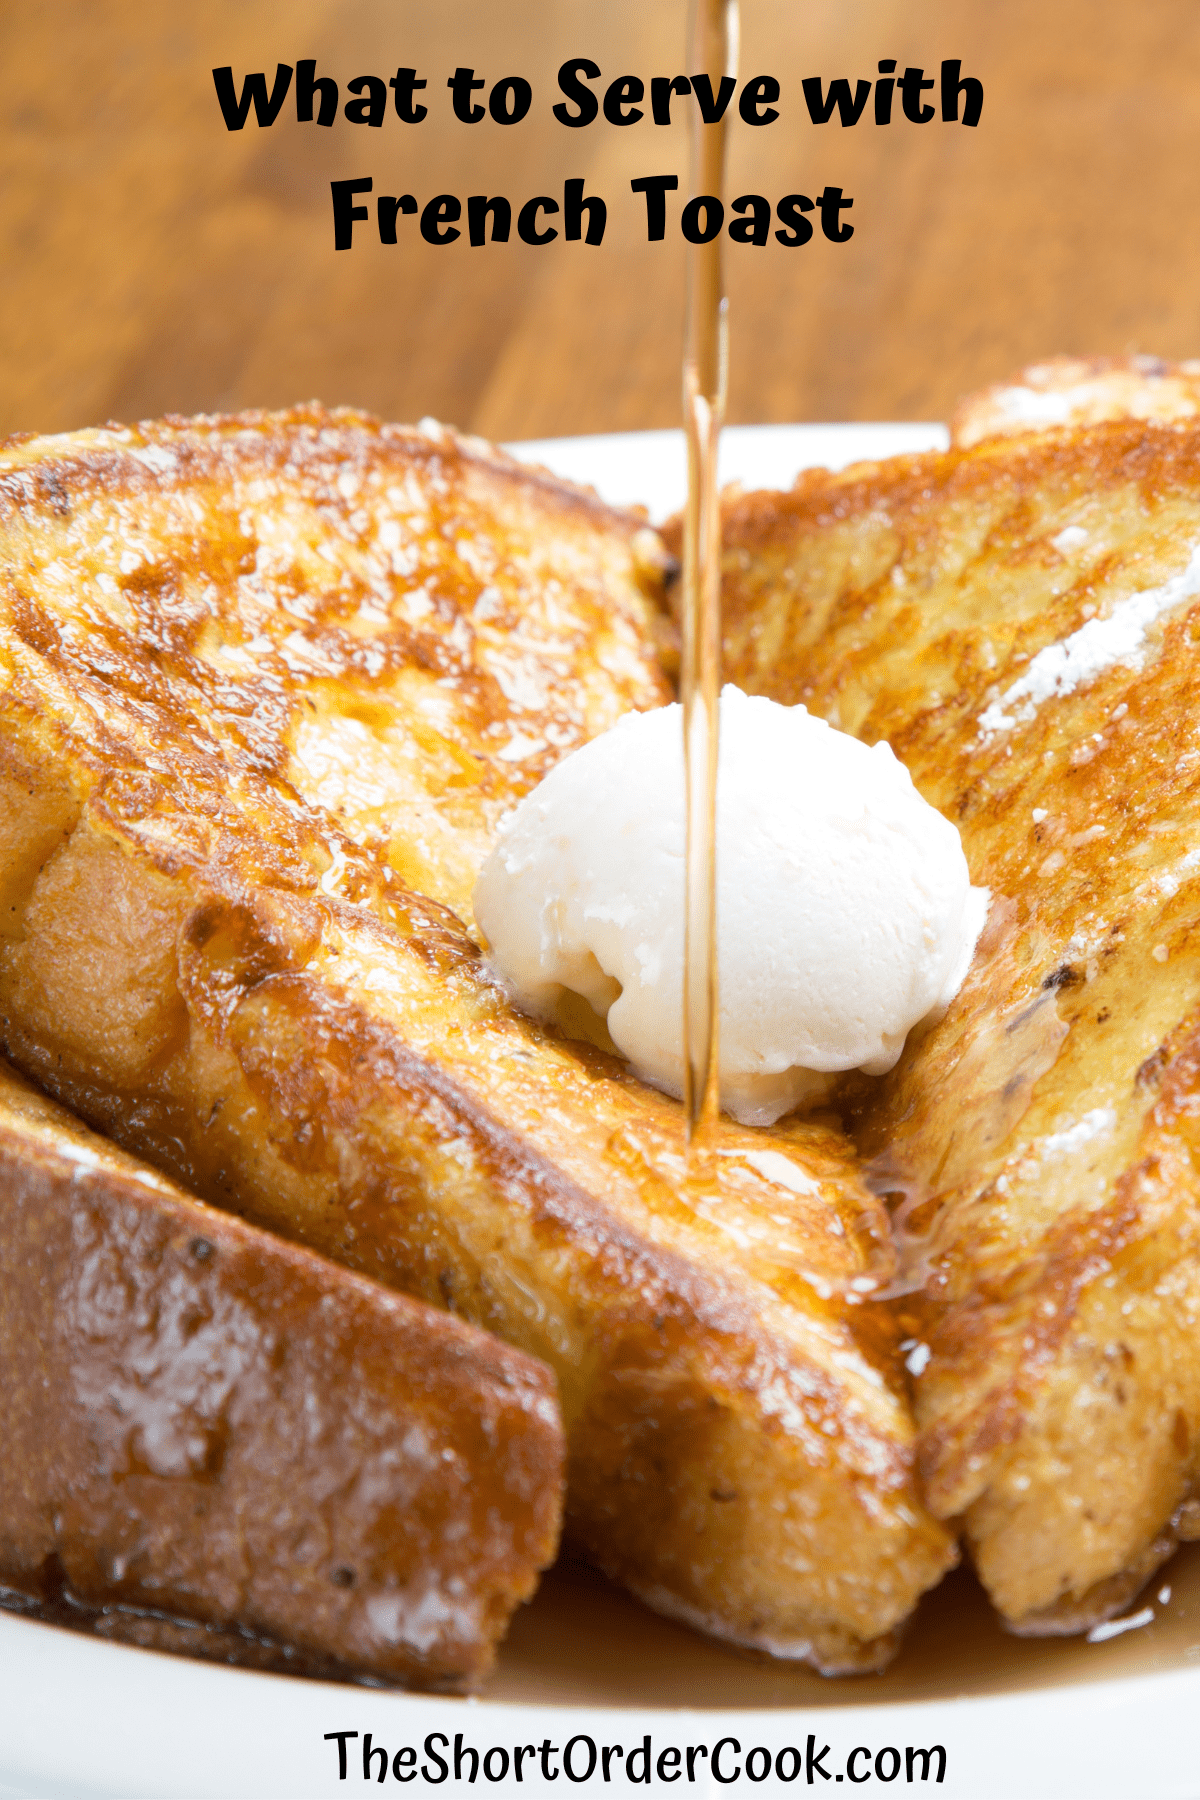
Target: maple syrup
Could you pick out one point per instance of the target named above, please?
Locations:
(713, 49)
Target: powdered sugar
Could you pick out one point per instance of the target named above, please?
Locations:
(1093, 1124)
(1061, 668)
(155, 457)
(1032, 407)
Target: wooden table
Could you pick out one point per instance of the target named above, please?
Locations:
(154, 262)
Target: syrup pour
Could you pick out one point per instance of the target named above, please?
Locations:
(713, 50)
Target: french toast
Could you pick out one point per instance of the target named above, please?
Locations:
(266, 683)
(1020, 622)
(216, 1439)
(1076, 390)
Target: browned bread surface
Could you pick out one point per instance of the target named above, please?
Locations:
(202, 1421)
(234, 735)
(1045, 1133)
(1075, 390)
(406, 627)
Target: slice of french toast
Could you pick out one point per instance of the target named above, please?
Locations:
(1020, 621)
(265, 684)
(1078, 390)
(218, 1440)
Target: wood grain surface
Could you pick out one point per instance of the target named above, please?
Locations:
(154, 262)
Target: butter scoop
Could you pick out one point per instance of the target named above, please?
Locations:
(845, 911)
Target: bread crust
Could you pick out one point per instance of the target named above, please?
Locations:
(1074, 390)
(220, 1441)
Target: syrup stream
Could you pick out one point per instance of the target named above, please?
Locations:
(713, 50)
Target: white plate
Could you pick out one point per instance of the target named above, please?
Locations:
(649, 468)
(1017, 1720)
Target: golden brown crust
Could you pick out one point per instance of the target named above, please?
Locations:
(219, 567)
(1072, 391)
(227, 974)
(1029, 1133)
(220, 1438)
